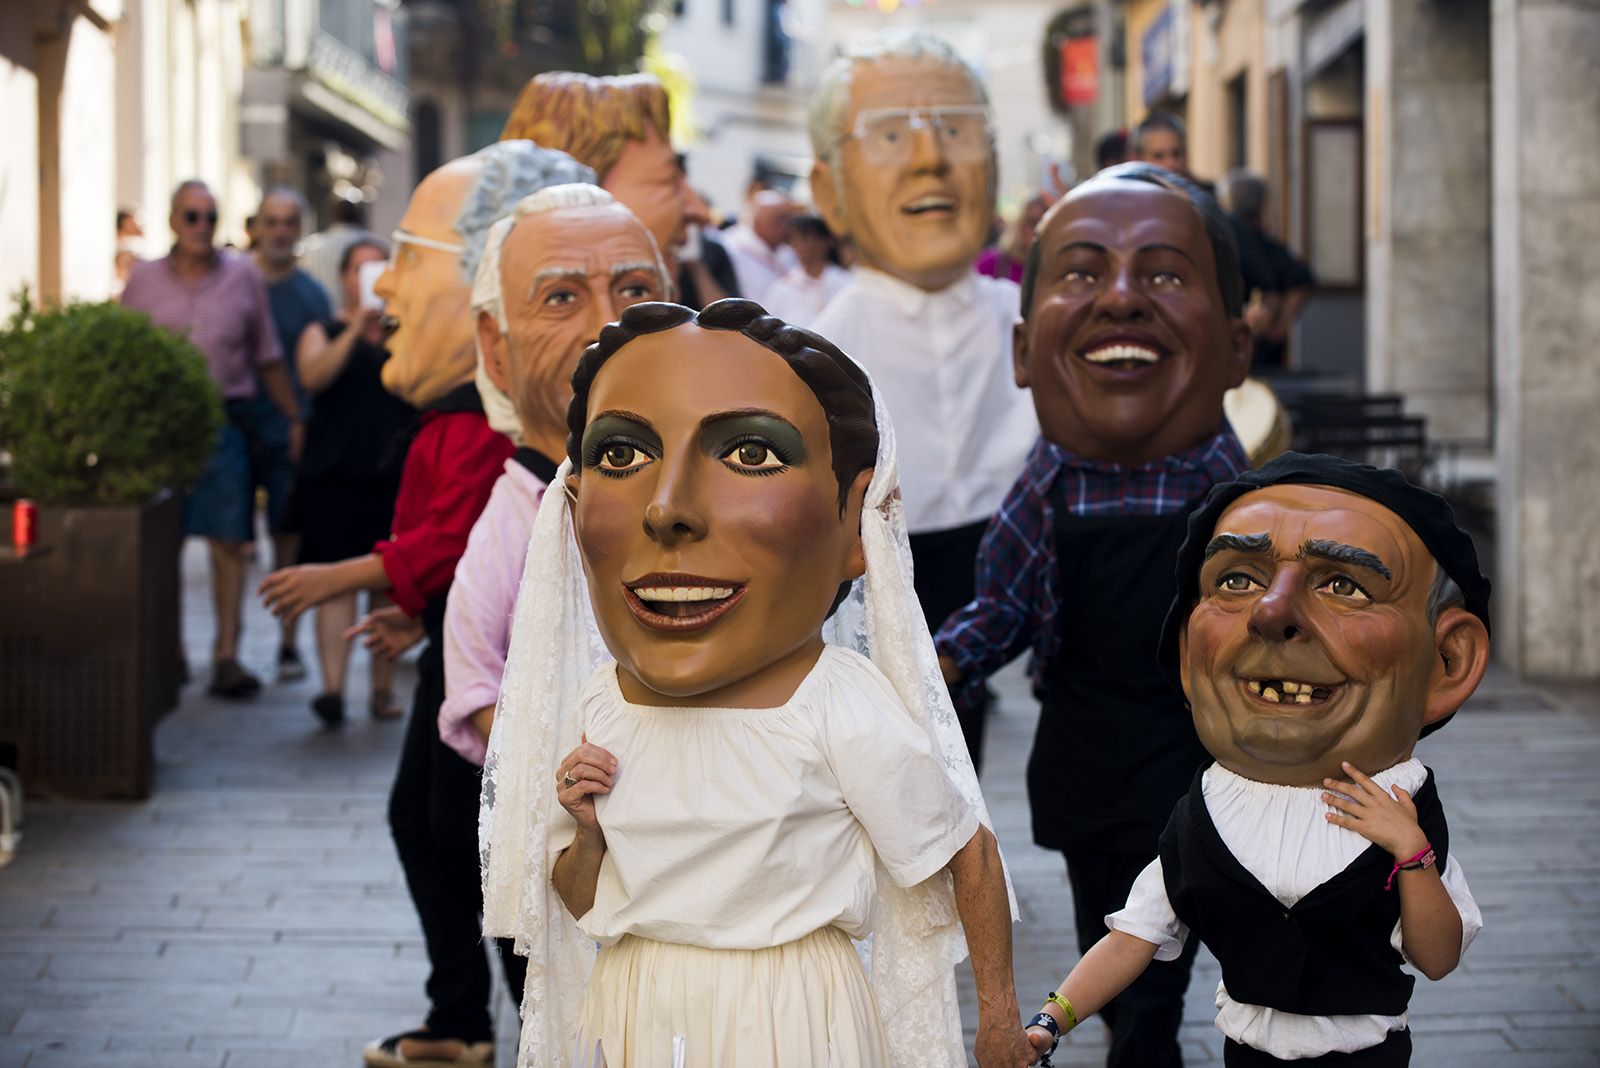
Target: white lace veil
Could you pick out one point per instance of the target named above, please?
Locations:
(917, 938)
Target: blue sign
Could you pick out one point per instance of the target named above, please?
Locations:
(1156, 48)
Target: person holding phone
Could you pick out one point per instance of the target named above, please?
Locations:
(350, 473)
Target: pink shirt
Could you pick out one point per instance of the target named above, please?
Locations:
(225, 314)
(477, 619)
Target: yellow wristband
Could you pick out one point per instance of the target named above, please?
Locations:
(1066, 1007)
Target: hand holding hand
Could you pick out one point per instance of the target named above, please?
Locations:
(386, 632)
(1362, 806)
(1004, 1047)
(291, 590)
(585, 772)
(1040, 1039)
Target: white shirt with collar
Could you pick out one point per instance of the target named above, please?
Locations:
(755, 263)
(1281, 836)
(943, 363)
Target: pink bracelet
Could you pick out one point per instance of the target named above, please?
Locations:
(1423, 859)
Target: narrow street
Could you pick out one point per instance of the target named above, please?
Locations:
(252, 915)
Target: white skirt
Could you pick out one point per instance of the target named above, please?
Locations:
(804, 1004)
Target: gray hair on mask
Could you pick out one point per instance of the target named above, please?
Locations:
(510, 171)
(830, 105)
(1442, 594)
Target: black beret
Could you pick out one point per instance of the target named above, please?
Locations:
(1423, 511)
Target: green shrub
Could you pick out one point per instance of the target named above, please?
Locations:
(99, 406)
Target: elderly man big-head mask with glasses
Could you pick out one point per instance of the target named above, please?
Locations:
(425, 292)
(906, 163)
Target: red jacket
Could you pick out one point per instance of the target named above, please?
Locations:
(450, 468)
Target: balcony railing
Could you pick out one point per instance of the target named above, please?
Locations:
(356, 48)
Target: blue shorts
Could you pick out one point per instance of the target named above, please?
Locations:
(253, 450)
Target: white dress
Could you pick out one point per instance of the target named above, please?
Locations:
(741, 855)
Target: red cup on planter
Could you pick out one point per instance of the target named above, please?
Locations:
(24, 525)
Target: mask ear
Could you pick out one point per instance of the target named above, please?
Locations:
(825, 195)
(1019, 353)
(493, 345)
(1462, 644)
(1243, 350)
(855, 563)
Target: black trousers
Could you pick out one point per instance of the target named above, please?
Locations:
(944, 579)
(1392, 1052)
(1144, 1018)
(433, 815)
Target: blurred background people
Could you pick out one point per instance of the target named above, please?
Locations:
(296, 300)
(758, 243)
(216, 299)
(1243, 194)
(801, 294)
(130, 243)
(1111, 148)
(321, 253)
(1008, 259)
(350, 472)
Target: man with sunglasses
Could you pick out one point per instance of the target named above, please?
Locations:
(906, 168)
(216, 298)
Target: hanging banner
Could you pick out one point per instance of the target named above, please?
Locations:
(1080, 70)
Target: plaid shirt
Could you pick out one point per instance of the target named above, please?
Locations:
(1016, 602)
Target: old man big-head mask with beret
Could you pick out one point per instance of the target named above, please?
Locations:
(1327, 611)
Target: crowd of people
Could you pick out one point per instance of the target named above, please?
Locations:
(712, 538)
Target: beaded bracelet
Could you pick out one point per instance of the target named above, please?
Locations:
(1422, 860)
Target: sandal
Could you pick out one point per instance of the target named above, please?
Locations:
(384, 706)
(385, 1053)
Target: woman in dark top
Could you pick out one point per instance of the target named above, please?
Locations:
(350, 469)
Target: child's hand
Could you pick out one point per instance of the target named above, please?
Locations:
(1040, 1038)
(1363, 807)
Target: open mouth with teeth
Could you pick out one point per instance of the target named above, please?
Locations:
(930, 205)
(1123, 356)
(679, 603)
(1292, 691)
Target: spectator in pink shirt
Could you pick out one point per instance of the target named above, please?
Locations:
(217, 299)
(588, 257)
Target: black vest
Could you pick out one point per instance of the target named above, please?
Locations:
(1116, 745)
(1328, 954)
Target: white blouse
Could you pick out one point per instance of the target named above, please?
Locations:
(745, 828)
(1280, 836)
(942, 364)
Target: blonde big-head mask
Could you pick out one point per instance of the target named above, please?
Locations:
(905, 162)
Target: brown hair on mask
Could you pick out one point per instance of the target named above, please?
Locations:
(590, 119)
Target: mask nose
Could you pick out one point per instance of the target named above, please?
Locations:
(1276, 616)
(674, 514)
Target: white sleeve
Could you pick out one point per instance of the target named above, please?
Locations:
(1148, 914)
(894, 783)
(1455, 884)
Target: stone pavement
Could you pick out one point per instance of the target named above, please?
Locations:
(251, 914)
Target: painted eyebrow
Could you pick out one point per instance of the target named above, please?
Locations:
(1241, 543)
(1341, 553)
(1154, 246)
(622, 413)
(740, 413)
(1162, 246)
(1314, 548)
(626, 268)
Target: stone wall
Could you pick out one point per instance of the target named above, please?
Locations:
(1547, 326)
(1428, 222)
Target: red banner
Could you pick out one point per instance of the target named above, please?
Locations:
(1080, 70)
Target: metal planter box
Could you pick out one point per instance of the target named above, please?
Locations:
(89, 647)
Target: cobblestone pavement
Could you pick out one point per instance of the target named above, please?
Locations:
(252, 915)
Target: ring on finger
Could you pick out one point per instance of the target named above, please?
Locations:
(568, 780)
